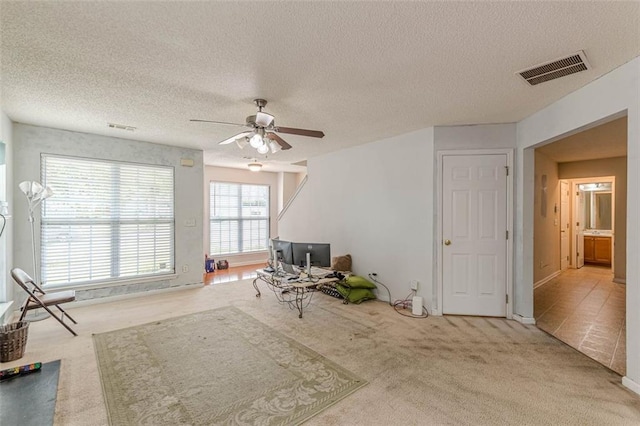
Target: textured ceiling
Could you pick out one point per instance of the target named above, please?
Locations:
(359, 71)
(604, 141)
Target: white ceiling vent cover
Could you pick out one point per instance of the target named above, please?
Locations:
(121, 127)
(555, 69)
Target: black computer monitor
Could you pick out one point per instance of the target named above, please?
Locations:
(320, 254)
(283, 251)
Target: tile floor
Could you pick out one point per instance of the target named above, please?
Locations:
(585, 309)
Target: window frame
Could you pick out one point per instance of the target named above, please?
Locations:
(239, 219)
(115, 225)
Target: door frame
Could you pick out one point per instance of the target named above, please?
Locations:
(438, 288)
(574, 185)
(569, 212)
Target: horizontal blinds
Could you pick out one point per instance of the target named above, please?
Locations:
(239, 218)
(106, 220)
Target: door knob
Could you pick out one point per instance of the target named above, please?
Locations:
(447, 242)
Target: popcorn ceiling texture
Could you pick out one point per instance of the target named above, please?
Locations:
(359, 71)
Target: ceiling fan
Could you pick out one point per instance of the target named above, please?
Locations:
(262, 134)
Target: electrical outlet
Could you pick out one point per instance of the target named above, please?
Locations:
(414, 284)
(185, 268)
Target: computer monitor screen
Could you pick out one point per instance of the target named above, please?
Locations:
(320, 254)
(283, 251)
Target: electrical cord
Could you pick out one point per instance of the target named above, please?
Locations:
(373, 277)
(405, 303)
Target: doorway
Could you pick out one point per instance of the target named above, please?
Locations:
(583, 305)
(593, 213)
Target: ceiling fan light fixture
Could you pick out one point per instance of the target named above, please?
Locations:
(256, 140)
(263, 119)
(263, 149)
(255, 166)
(262, 127)
(275, 147)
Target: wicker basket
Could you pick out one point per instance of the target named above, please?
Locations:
(13, 340)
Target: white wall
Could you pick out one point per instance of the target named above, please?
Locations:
(375, 202)
(226, 174)
(610, 95)
(546, 258)
(31, 141)
(287, 186)
(474, 138)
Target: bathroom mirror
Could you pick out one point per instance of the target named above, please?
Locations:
(598, 205)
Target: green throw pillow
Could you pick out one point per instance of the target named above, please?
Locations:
(355, 281)
(355, 295)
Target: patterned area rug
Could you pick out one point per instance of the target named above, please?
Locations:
(215, 367)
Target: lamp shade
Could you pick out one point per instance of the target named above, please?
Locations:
(30, 188)
(275, 146)
(256, 141)
(263, 149)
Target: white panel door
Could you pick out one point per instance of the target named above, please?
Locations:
(580, 227)
(565, 229)
(474, 231)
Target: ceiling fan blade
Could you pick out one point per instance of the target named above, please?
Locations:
(217, 122)
(233, 138)
(283, 144)
(301, 132)
(263, 119)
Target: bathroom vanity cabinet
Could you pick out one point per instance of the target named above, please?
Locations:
(597, 249)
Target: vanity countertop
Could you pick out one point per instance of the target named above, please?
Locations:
(597, 233)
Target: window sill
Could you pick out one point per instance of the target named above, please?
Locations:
(104, 284)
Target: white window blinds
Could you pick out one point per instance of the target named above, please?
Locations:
(106, 220)
(239, 218)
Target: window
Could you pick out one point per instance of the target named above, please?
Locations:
(106, 220)
(239, 216)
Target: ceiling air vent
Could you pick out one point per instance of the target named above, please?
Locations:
(120, 127)
(555, 69)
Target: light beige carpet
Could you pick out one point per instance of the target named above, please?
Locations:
(436, 371)
(215, 367)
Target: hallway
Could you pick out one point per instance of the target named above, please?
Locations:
(585, 309)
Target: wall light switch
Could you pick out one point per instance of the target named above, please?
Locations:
(190, 222)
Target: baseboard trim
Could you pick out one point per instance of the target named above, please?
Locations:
(547, 279)
(524, 320)
(627, 382)
(80, 303)
(620, 281)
